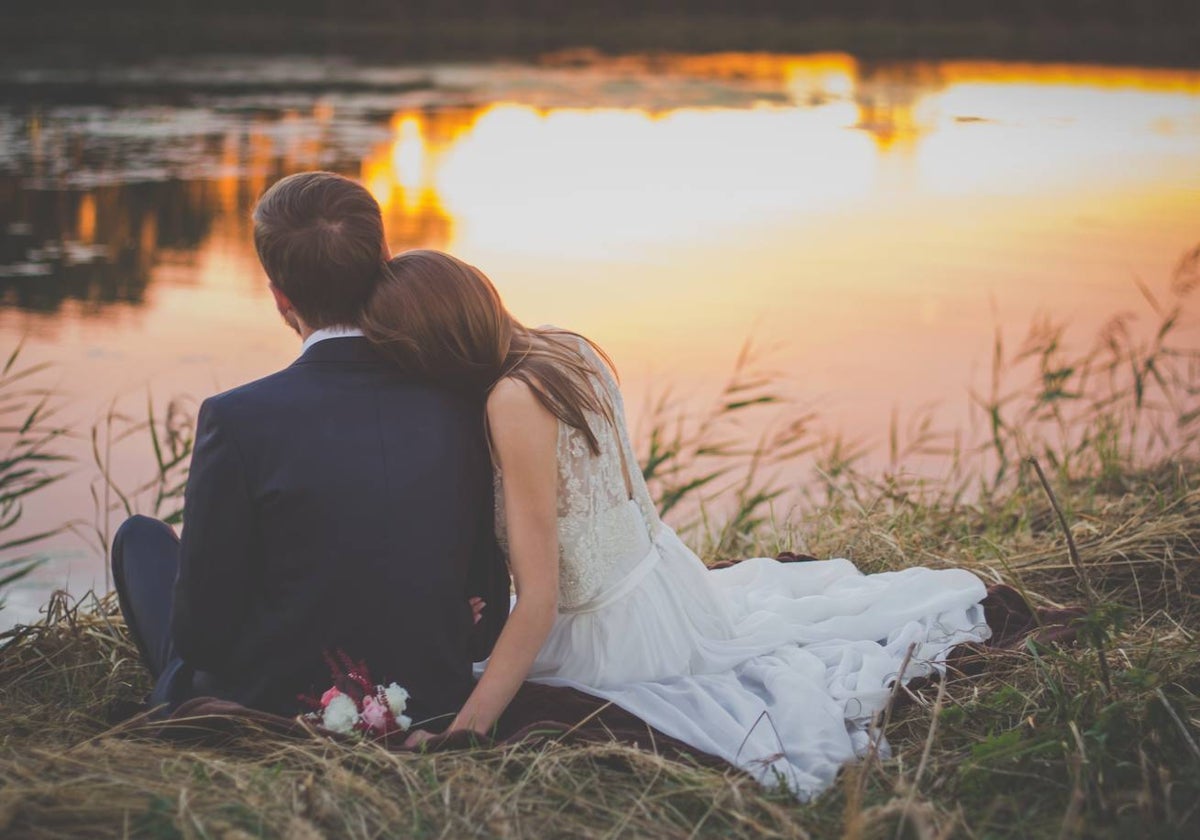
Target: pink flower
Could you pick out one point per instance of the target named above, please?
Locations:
(328, 696)
(375, 715)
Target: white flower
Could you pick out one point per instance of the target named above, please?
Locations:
(340, 715)
(397, 700)
(404, 722)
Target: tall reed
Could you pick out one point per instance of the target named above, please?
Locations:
(30, 460)
(691, 462)
(169, 435)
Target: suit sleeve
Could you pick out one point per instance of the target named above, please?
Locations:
(218, 548)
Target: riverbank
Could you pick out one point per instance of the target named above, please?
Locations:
(1094, 740)
(88, 36)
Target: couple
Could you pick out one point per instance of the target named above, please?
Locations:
(425, 452)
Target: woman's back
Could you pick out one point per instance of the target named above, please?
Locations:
(606, 518)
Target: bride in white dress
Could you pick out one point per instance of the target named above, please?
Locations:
(777, 668)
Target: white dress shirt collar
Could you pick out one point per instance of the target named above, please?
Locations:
(330, 332)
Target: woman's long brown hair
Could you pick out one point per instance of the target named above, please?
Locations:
(441, 320)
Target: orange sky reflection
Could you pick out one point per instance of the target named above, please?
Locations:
(873, 223)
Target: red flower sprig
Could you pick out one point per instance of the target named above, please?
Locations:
(355, 703)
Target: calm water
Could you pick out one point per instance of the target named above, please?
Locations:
(870, 224)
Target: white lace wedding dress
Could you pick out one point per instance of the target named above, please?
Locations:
(777, 668)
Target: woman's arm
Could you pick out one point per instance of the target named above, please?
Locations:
(524, 442)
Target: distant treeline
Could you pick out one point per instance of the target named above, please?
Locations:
(1143, 12)
(1148, 31)
(1153, 12)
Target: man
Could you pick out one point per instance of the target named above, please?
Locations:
(332, 506)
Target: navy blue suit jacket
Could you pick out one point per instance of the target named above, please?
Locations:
(337, 505)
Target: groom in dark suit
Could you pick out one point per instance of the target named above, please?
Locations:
(334, 505)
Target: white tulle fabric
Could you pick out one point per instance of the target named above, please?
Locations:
(777, 668)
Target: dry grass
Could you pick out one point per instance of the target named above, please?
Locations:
(65, 771)
(1036, 746)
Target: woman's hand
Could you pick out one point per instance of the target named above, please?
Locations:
(477, 605)
(417, 738)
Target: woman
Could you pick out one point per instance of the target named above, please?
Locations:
(778, 668)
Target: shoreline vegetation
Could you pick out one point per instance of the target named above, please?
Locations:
(1085, 490)
(1041, 743)
(1162, 34)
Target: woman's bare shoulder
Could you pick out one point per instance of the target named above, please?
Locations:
(514, 400)
(510, 392)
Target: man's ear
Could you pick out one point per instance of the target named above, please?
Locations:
(282, 303)
(285, 307)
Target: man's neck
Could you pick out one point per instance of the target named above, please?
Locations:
(312, 337)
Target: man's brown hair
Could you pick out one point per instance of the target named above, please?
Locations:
(320, 239)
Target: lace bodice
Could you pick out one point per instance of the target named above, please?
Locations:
(603, 529)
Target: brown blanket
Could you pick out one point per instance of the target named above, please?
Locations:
(541, 712)
(537, 713)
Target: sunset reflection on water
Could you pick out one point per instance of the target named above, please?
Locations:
(935, 175)
(872, 223)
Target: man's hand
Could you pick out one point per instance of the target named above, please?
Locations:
(477, 605)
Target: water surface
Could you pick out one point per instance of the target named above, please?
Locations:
(872, 224)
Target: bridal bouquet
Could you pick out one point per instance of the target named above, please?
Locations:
(356, 704)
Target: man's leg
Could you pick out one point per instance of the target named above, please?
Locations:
(145, 561)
